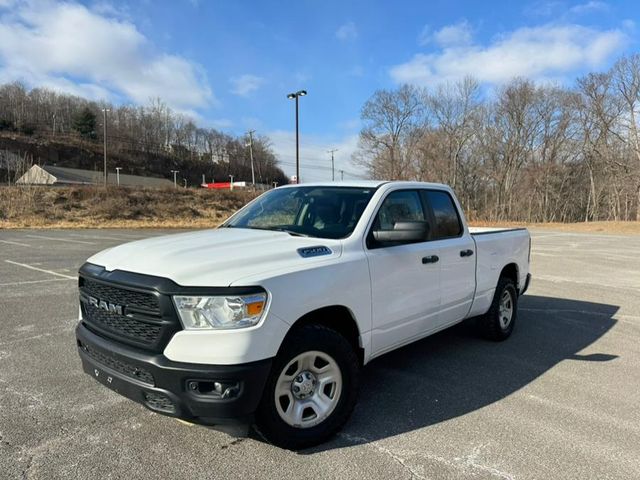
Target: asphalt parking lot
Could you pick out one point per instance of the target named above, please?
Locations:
(559, 399)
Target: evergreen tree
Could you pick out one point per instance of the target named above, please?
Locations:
(85, 123)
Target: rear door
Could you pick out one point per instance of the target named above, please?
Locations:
(405, 278)
(457, 256)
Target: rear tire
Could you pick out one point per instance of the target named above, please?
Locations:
(311, 390)
(498, 323)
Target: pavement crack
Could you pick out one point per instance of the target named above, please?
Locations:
(232, 443)
(471, 461)
(397, 458)
(25, 472)
(466, 463)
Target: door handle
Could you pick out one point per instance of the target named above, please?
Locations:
(466, 253)
(430, 259)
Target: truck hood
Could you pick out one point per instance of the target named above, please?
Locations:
(215, 258)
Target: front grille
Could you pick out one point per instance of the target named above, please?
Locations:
(127, 314)
(126, 326)
(118, 365)
(159, 402)
(120, 296)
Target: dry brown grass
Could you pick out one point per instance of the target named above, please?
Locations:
(612, 227)
(97, 207)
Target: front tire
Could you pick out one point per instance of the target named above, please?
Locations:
(497, 324)
(311, 390)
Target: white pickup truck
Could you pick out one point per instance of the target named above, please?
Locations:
(270, 317)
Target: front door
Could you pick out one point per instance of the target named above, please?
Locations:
(405, 278)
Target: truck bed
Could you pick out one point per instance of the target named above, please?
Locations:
(508, 245)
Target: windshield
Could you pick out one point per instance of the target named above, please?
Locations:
(324, 212)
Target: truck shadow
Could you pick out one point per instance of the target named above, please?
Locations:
(454, 372)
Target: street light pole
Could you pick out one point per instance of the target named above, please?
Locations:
(118, 175)
(104, 121)
(175, 172)
(333, 172)
(296, 95)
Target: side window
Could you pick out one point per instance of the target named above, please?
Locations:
(447, 221)
(400, 206)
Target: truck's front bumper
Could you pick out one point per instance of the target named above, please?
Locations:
(207, 394)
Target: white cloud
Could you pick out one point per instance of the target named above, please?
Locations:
(535, 52)
(448, 36)
(315, 162)
(245, 84)
(353, 124)
(559, 9)
(347, 31)
(221, 123)
(72, 48)
(425, 36)
(543, 8)
(589, 7)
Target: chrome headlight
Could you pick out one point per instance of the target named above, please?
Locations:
(220, 312)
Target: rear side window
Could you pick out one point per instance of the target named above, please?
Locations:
(447, 221)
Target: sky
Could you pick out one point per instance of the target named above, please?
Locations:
(230, 64)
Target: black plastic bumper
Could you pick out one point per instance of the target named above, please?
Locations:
(182, 390)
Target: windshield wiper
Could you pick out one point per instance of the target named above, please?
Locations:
(290, 232)
(273, 229)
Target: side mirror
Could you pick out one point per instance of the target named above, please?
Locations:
(403, 232)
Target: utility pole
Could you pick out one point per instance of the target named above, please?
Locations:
(333, 172)
(341, 174)
(104, 121)
(175, 172)
(118, 175)
(253, 175)
(231, 184)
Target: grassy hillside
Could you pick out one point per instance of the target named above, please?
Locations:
(96, 207)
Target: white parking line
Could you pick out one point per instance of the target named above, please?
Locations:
(27, 282)
(40, 270)
(100, 237)
(15, 243)
(60, 239)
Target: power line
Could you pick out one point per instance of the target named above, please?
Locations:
(320, 167)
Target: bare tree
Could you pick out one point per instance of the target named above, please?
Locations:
(455, 109)
(393, 123)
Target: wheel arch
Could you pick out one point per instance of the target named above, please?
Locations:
(339, 318)
(511, 271)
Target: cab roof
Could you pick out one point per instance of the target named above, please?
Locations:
(365, 184)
